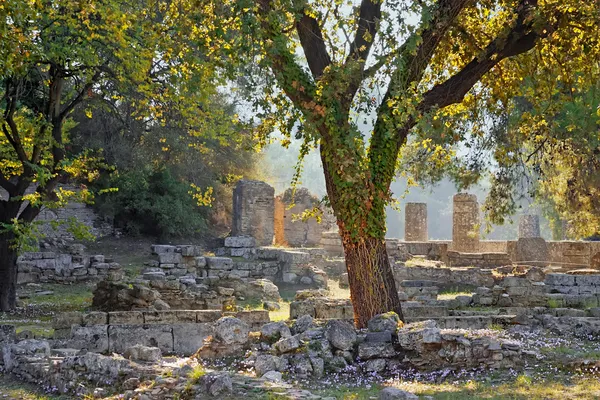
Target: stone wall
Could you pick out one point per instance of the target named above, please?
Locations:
(253, 211)
(300, 233)
(61, 217)
(70, 267)
(481, 260)
(180, 332)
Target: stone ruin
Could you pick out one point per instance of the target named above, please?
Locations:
(68, 266)
(253, 211)
(53, 223)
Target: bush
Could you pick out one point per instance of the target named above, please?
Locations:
(152, 202)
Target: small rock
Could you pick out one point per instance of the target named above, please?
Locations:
(230, 330)
(384, 322)
(302, 324)
(396, 394)
(265, 363)
(273, 376)
(131, 384)
(143, 353)
(287, 345)
(161, 305)
(271, 306)
(273, 331)
(340, 334)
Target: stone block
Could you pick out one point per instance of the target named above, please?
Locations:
(46, 264)
(190, 250)
(121, 337)
(125, 317)
(160, 317)
(220, 263)
(207, 315)
(588, 280)
(560, 280)
(160, 249)
(254, 211)
(95, 318)
(240, 241)
(188, 338)
(170, 258)
(67, 320)
(369, 350)
(200, 262)
(92, 338)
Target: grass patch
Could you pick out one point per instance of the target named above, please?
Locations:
(520, 388)
(65, 298)
(13, 389)
(196, 373)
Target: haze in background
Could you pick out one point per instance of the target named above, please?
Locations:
(278, 165)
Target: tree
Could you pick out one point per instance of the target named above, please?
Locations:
(325, 65)
(55, 56)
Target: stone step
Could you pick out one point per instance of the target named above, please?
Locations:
(58, 353)
(468, 322)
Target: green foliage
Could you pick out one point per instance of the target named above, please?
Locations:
(153, 202)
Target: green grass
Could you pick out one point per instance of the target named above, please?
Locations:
(13, 389)
(519, 388)
(65, 298)
(36, 312)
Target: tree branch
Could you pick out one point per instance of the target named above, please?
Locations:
(297, 84)
(368, 20)
(518, 39)
(311, 39)
(80, 95)
(7, 185)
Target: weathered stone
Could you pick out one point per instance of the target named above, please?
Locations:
(93, 338)
(274, 331)
(219, 263)
(273, 376)
(340, 334)
(253, 211)
(265, 363)
(396, 394)
(375, 365)
(287, 345)
(121, 337)
(529, 226)
(143, 353)
(240, 241)
(415, 226)
(465, 223)
(217, 383)
(302, 324)
(188, 338)
(368, 350)
(231, 330)
(384, 322)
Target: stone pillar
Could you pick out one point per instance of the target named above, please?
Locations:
(415, 222)
(300, 233)
(253, 211)
(529, 226)
(465, 223)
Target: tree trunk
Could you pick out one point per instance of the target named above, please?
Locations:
(372, 286)
(8, 272)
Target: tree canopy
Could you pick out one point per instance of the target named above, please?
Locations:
(401, 69)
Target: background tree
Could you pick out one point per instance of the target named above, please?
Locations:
(406, 66)
(56, 55)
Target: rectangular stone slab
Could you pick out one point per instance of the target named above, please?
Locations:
(188, 338)
(122, 337)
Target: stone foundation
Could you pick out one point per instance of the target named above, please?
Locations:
(69, 267)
